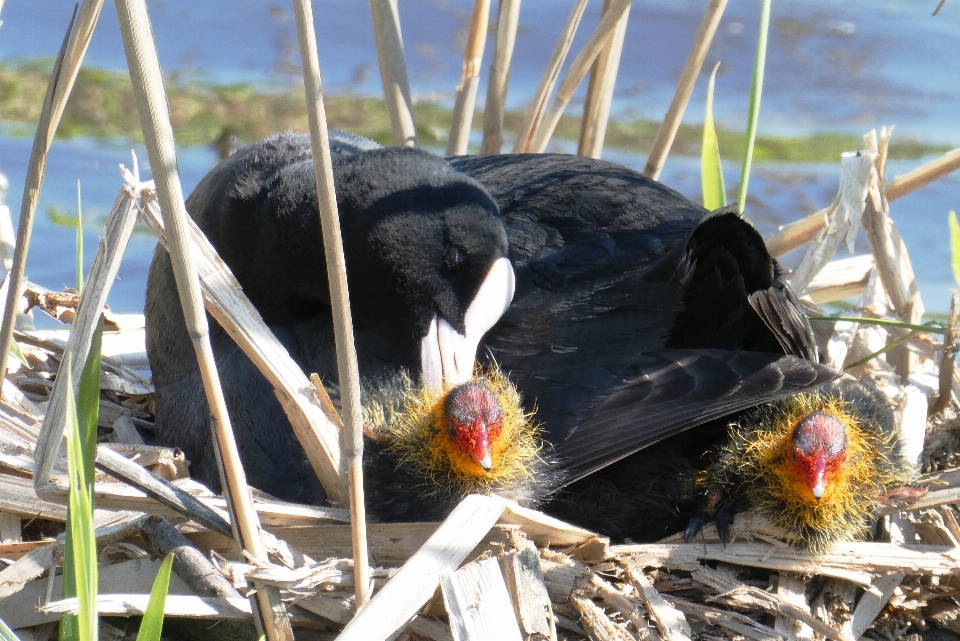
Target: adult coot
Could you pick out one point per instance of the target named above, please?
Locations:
(425, 250)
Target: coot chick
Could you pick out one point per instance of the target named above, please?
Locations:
(425, 251)
(817, 464)
(427, 451)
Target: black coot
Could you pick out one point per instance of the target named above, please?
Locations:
(425, 250)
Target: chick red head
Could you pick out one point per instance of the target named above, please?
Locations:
(473, 418)
(819, 447)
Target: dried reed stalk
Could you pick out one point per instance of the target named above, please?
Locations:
(469, 80)
(801, 232)
(158, 135)
(603, 77)
(413, 585)
(508, 14)
(845, 216)
(578, 69)
(393, 71)
(104, 270)
(688, 77)
(858, 562)
(923, 175)
(890, 252)
(352, 439)
(882, 236)
(65, 70)
(534, 114)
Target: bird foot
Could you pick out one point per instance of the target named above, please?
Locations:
(695, 524)
(722, 518)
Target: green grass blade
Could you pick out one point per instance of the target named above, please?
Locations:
(69, 629)
(79, 242)
(933, 327)
(756, 87)
(18, 353)
(6, 634)
(88, 402)
(88, 410)
(711, 172)
(80, 523)
(954, 245)
(152, 623)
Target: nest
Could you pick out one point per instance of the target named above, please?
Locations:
(492, 570)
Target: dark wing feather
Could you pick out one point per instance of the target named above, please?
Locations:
(680, 389)
(781, 311)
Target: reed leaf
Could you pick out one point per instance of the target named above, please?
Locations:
(954, 245)
(152, 624)
(83, 543)
(18, 353)
(6, 634)
(88, 403)
(86, 414)
(711, 171)
(932, 327)
(756, 87)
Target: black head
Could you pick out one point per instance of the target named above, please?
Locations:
(419, 239)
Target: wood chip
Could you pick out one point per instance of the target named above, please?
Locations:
(671, 622)
(478, 603)
(528, 593)
(791, 589)
(592, 617)
(748, 596)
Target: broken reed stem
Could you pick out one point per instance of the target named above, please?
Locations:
(801, 232)
(158, 135)
(671, 122)
(534, 114)
(508, 15)
(352, 438)
(103, 272)
(889, 252)
(469, 80)
(603, 77)
(64, 73)
(393, 71)
(578, 69)
(948, 357)
(923, 175)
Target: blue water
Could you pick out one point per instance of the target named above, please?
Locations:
(832, 66)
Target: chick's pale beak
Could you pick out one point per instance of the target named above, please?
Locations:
(448, 357)
(816, 480)
(486, 462)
